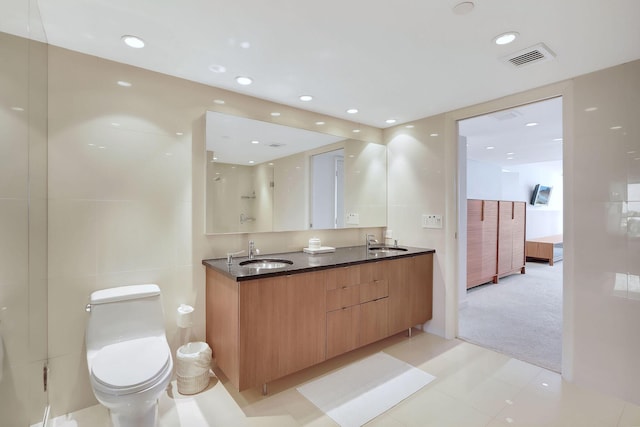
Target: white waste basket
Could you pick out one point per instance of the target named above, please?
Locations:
(194, 362)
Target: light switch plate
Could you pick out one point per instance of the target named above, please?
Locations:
(431, 221)
(353, 219)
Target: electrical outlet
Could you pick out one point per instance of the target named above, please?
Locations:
(431, 221)
(353, 219)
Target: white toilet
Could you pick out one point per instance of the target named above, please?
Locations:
(128, 356)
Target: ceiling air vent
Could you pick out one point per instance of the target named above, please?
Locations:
(507, 114)
(530, 55)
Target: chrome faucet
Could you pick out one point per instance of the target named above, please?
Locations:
(370, 239)
(252, 249)
(230, 256)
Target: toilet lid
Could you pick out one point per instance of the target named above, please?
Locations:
(132, 365)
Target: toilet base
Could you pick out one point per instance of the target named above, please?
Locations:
(135, 417)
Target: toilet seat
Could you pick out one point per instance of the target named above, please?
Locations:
(131, 366)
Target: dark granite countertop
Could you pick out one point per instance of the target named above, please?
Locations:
(304, 262)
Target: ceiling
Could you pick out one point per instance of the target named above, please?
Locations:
(509, 137)
(400, 60)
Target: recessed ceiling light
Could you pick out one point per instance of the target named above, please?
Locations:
(319, 123)
(531, 124)
(434, 134)
(179, 133)
(463, 8)
(590, 109)
(356, 131)
(244, 81)
(275, 114)
(133, 41)
(510, 154)
(390, 121)
(352, 110)
(251, 162)
(306, 98)
(245, 45)
(557, 139)
(505, 38)
(123, 83)
(490, 147)
(215, 68)
(255, 142)
(218, 101)
(115, 124)
(17, 108)
(215, 158)
(409, 126)
(510, 158)
(615, 127)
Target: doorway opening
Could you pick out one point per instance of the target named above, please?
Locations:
(511, 221)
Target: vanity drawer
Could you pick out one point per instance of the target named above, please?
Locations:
(374, 290)
(337, 278)
(345, 296)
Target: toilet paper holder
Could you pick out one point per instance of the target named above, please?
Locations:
(184, 318)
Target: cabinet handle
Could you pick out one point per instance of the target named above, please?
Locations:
(482, 211)
(344, 287)
(513, 208)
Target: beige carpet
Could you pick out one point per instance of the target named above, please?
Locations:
(521, 316)
(361, 391)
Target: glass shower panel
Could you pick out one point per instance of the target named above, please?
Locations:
(23, 217)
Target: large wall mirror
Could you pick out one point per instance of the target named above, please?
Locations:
(265, 177)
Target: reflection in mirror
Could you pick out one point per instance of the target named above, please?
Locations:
(327, 190)
(267, 177)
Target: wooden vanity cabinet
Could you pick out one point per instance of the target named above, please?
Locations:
(420, 289)
(266, 328)
(410, 291)
(397, 272)
(356, 307)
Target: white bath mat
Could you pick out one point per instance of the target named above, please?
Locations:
(363, 390)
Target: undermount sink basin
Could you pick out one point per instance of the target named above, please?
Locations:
(266, 263)
(387, 249)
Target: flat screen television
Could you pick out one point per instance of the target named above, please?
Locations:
(540, 195)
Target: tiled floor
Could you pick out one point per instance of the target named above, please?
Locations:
(474, 387)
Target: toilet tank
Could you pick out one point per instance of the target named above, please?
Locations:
(124, 313)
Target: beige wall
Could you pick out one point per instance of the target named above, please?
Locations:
(606, 251)
(417, 184)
